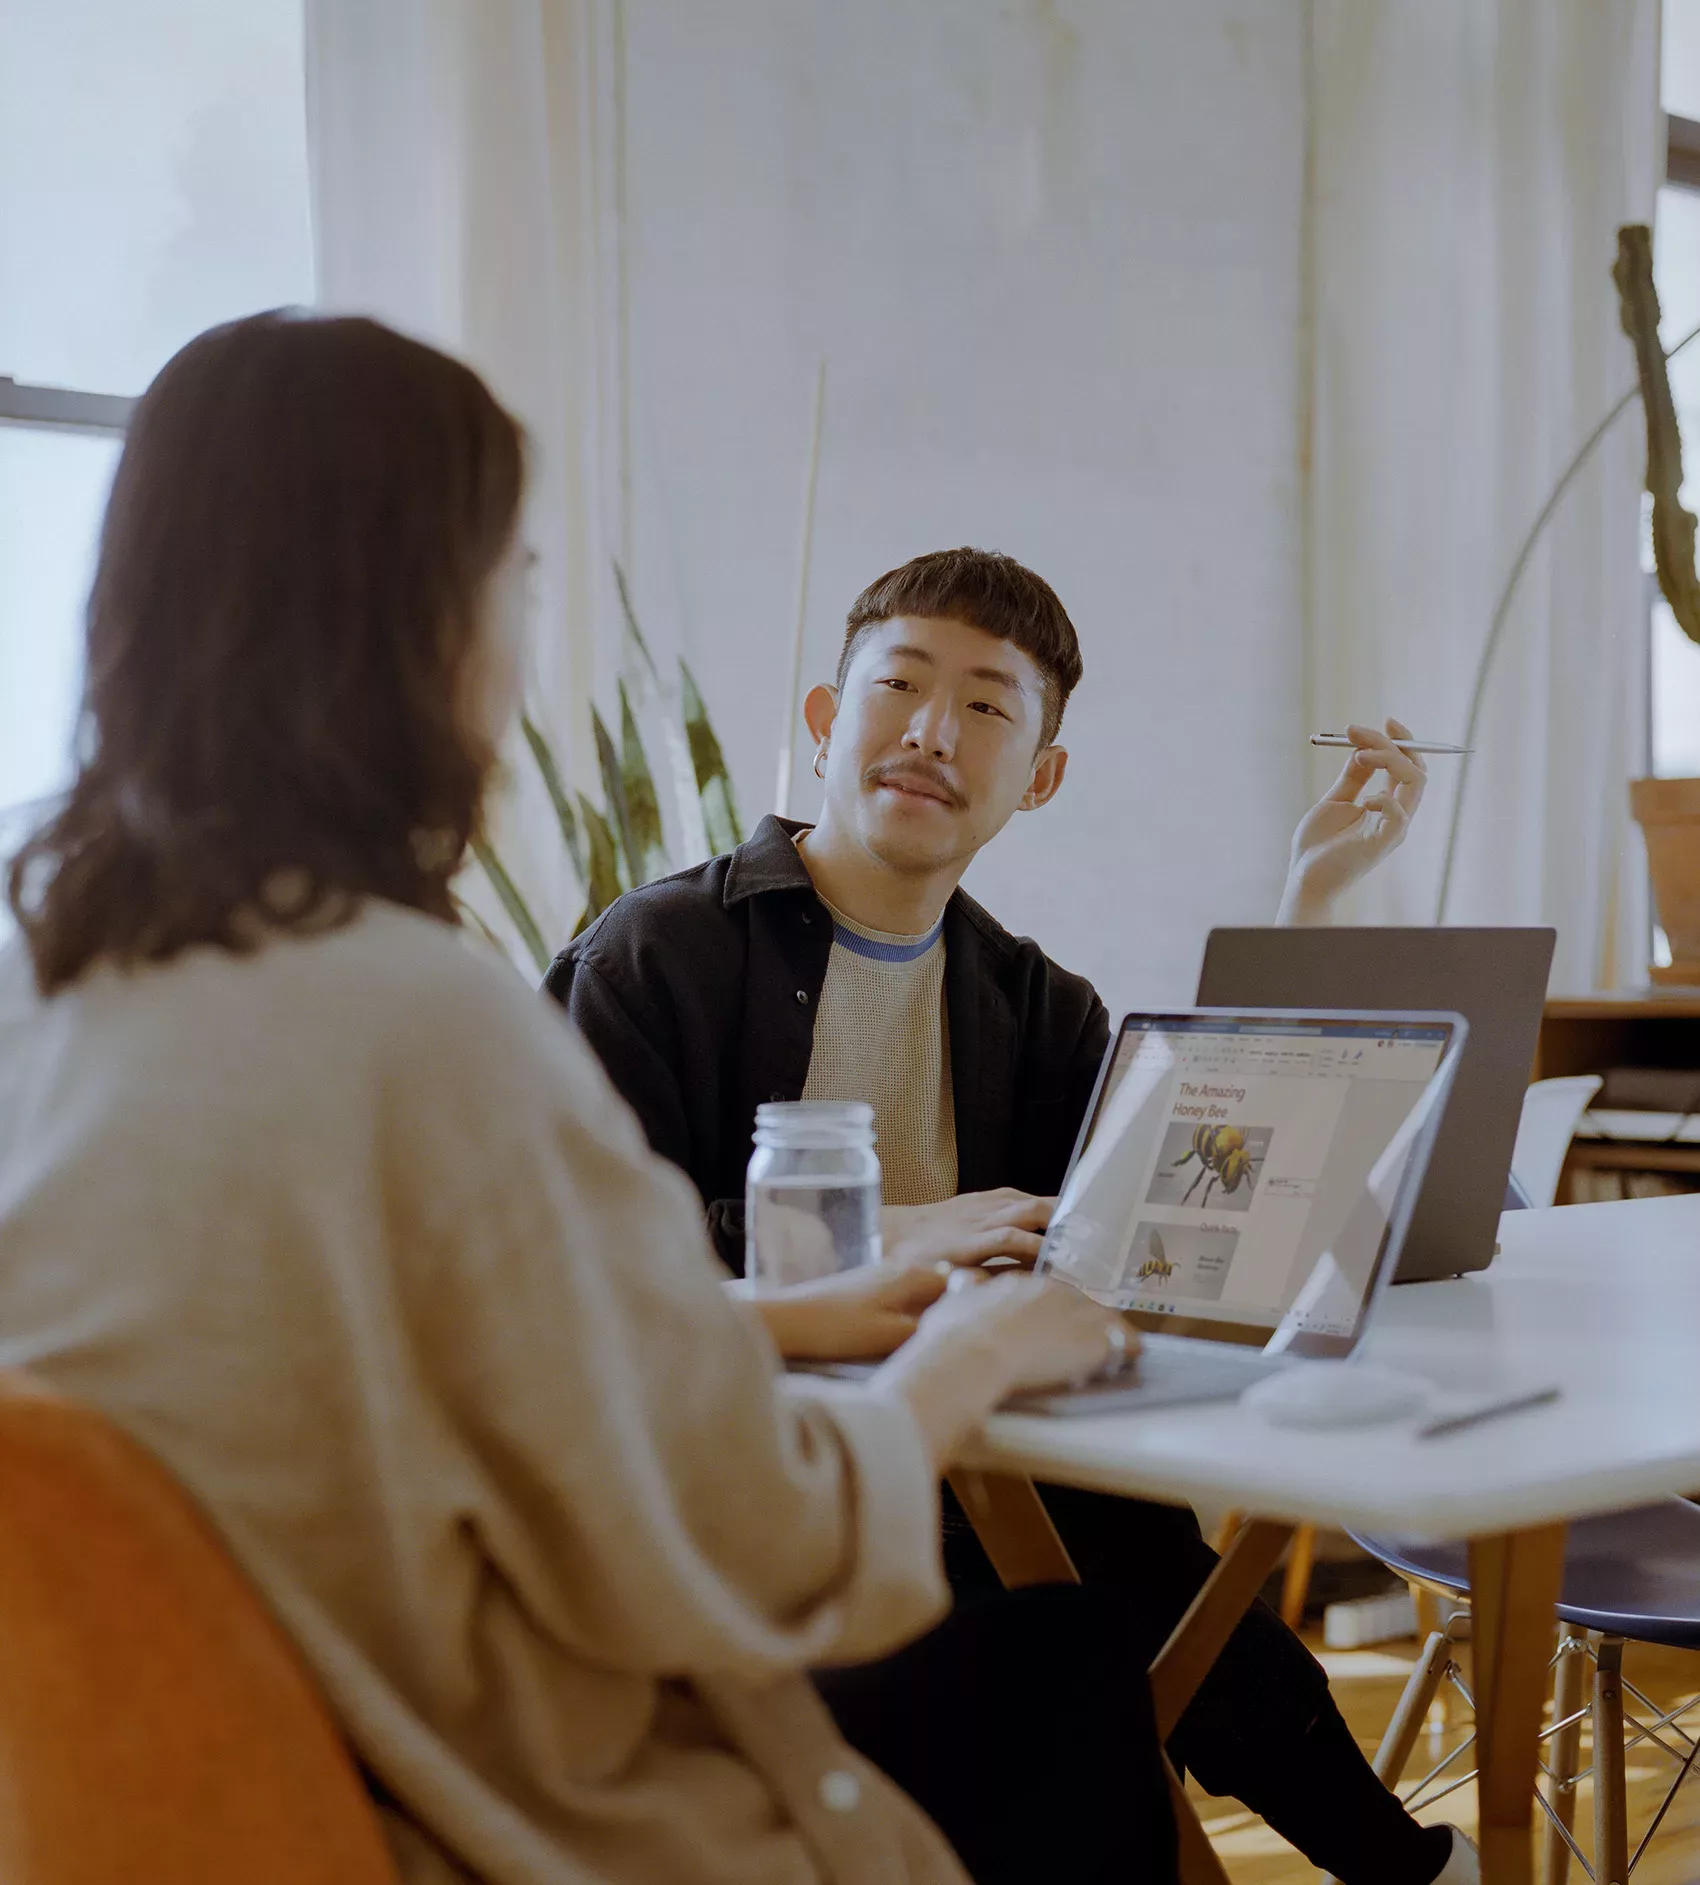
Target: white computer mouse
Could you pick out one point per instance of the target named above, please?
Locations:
(1335, 1394)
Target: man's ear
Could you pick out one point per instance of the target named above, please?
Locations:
(1048, 770)
(820, 709)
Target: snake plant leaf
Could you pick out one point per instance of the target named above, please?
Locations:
(714, 782)
(550, 772)
(1673, 526)
(470, 917)
(602, 881)
(652, 692)
(519, 911)
(629, 615)
(647, 848)
(614, 795)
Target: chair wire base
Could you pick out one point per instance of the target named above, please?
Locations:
(1661, 1730)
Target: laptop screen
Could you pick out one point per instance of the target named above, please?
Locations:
(1238, 1174)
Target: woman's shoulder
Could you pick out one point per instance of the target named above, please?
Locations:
(424, 992)
(390, 1008)
(413, 1011)
(411, 957)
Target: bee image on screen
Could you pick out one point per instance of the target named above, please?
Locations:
(1168, 1261)
(1156, 1264)
(1223, 1160)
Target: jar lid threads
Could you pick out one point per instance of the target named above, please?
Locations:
(814, 1123)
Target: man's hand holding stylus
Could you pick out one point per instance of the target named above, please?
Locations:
(1355, 825)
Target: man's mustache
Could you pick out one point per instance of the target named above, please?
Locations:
(918, 773)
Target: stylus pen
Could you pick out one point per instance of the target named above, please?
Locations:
(1405, 746)
(1473, 1417)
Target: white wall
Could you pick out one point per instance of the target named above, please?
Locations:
(1051, 253)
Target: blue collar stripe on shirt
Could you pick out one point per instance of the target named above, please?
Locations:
(885, 951)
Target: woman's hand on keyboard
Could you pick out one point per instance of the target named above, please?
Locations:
(982, 1343)
(856, 1315)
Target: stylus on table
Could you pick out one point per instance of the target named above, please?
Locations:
(1490, 1410)
(1405, 746)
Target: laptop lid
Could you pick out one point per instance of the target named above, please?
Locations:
(1248, 1177)
(1495, 978)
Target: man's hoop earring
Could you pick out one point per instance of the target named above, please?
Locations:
(820, 754)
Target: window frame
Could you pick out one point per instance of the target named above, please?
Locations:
(1682, 152)
(62, 408)
(1682, 172)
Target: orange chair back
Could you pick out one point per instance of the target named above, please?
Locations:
(155, 1722)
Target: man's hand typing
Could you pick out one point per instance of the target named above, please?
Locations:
(969, 1229)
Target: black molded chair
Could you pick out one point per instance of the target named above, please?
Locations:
(1629, 1577)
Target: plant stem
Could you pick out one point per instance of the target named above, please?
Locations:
(805, 555)
(1502, 615)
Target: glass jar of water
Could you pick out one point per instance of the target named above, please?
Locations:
(812, 1195)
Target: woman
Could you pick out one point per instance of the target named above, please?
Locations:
(320, 1205)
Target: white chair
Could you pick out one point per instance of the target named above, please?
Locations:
(1551, 1109)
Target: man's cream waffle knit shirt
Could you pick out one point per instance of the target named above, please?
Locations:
(881, 1035)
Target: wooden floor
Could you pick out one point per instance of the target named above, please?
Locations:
(1367, 1684)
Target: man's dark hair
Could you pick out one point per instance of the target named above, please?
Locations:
(989, 591)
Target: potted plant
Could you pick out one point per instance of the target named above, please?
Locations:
(612, 850)
(1667, 810)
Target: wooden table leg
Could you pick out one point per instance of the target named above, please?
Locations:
(1186, 1659)
(1198, 1639)
(1227, 1530)
(1010, 1520)
(1514, 1587)
(1295, 1591)
(1197, 1863)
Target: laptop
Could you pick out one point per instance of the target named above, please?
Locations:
(1495, 978)
(1241, 1190)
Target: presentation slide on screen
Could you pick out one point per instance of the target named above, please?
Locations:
(1221, 1166)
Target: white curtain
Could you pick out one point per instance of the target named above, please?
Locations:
(465, 189)
(1469, 164)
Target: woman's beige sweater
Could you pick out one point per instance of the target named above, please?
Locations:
(354, 1234)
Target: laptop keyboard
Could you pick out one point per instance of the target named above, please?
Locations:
(1168, 1372)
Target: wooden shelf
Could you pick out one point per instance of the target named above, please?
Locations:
(1592, 1034)
(1597, 1032)
(1680, 1004)
(1622, 1155)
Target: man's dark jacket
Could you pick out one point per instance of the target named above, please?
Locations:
(699, 995)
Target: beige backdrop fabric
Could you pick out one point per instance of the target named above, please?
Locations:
(1467, 164)
(465, 190)
(1470, 162)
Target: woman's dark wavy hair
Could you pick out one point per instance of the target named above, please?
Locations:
(292, 570)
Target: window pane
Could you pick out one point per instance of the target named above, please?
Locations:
(1676, 272)
(153, 179)
(52, 491)
(1676, 660)
(1679, 77)
(1676, 698)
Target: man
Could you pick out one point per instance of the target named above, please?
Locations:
(843, 961)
